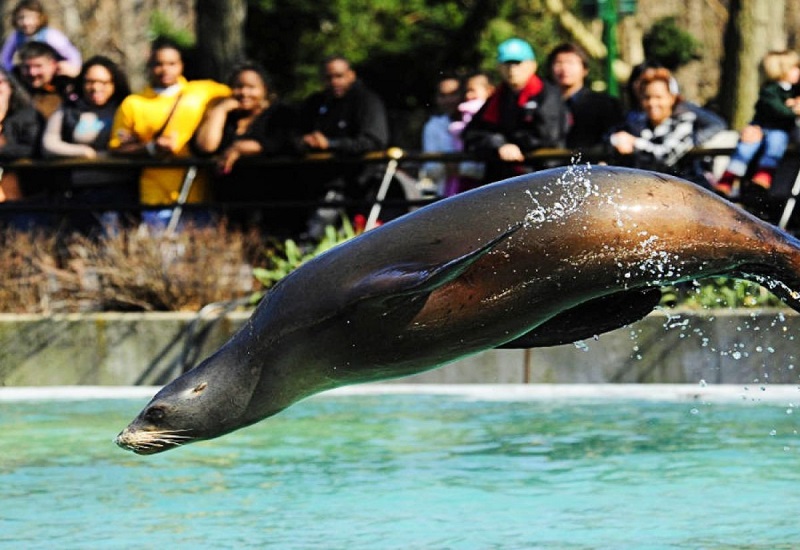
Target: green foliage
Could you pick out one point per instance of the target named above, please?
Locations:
(717, 293)
(669, 44)
(398, 47)
(283, 260)
(303, 33)
(163, 26)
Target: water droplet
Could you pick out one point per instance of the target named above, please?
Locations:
(581, 345)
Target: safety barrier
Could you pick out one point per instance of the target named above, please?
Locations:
(397, 166)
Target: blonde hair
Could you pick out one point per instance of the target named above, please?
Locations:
(777, 63)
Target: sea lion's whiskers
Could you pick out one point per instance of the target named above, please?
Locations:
(172, 435)
(149, 440)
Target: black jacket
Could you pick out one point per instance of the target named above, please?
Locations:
(273, 129)
(22, 131)
(535, 117)
(354, 124)
(591, 116)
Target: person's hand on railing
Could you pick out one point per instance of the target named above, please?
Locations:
(239, 148)
(317, 141)
(166, 144)
(510, 152)
(89, 153)
(623, 142)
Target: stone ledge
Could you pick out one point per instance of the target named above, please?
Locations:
(130, 349)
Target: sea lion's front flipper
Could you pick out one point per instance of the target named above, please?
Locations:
(590, 318)
(417, 280)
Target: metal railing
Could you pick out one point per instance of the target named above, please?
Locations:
(394, 160)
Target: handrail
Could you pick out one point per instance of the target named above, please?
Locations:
(393, 157)
(112, 162)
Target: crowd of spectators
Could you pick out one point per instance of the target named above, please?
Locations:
(53, 104)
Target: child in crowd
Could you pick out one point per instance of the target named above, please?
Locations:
(477, 90)
(775, 113)
(30, 23)
(478, 87)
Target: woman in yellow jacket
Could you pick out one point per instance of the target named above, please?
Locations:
(159, 122)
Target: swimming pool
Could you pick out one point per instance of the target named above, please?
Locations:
(390, 467)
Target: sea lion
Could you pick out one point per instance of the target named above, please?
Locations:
(536, 260)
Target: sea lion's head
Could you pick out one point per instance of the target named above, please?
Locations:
(206, 402)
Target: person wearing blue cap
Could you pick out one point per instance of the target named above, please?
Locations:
(524, 113)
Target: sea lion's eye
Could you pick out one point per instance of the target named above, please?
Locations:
(200, 387)
(154, 414)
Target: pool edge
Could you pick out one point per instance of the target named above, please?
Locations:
(652, 392)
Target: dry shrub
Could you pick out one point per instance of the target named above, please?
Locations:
(128, 270)
(26, 259)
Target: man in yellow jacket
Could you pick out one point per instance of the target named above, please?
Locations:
(159, 122)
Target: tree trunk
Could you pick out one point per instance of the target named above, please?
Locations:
(220, 32)
(754, 27)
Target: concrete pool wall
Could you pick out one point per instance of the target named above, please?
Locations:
(124, 349)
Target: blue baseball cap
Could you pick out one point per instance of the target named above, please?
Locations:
(515, 49)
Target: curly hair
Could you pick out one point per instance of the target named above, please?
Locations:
(118, 77)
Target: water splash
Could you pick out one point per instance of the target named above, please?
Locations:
(581, 345)
(561, 198)
(771, 284)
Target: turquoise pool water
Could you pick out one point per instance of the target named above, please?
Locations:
(411, 471)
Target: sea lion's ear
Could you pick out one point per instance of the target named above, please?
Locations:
(414, 280)
(590, 319)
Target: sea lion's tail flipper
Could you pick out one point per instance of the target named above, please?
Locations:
(588, 319)
(420, 279)
(779, 272)
(784, 286)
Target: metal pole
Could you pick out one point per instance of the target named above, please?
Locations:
(391, 169)
(186, 187)
(608, 12)
(790, 203)
(372, 219)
